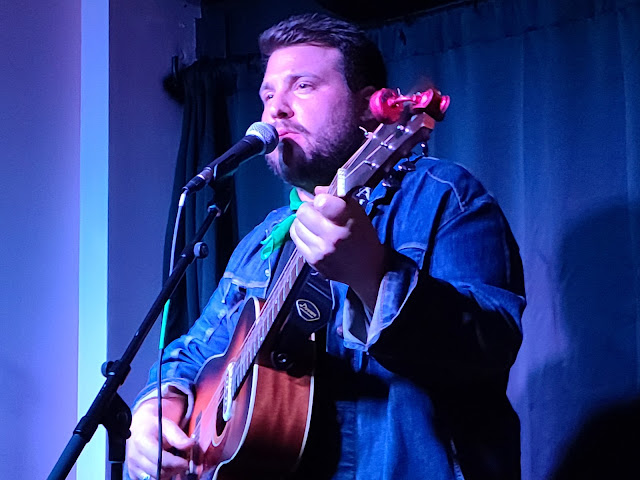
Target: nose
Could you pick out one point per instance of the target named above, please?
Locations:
(279, 106)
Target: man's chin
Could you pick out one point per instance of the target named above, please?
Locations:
(291, 152)
(287, 156)
(296, 167)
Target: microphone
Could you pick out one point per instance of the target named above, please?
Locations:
(260, 138)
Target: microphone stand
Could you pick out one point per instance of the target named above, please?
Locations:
(108, 408)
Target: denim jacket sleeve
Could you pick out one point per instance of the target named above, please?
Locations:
(453, 293)
(246, 275)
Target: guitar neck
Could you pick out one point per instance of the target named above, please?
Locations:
(293, 274)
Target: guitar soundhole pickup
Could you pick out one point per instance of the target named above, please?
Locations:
(227, 399)
(221, 423)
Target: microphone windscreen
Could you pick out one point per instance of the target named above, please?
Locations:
(267, 134)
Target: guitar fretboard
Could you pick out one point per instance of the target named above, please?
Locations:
(267, 317)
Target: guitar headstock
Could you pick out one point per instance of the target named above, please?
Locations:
(387, 105)
(406, 121)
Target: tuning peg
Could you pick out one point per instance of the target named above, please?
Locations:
(384, 106)
(366, 132)
(444, 103)
(422, 99)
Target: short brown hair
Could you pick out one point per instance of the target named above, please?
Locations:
(362, 61)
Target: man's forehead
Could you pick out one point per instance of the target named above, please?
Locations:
(313, 59)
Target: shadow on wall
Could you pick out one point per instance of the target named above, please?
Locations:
(585, 406)
(607, 446)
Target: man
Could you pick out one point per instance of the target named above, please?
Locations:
(427, 287)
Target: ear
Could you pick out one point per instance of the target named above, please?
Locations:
(367, 119)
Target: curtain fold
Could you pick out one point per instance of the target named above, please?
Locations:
(206, 134)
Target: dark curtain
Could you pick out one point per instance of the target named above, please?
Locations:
(220, 102)
(204, 87)
(545, 111)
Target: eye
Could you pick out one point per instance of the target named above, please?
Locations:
(266, 97)
(305, 86)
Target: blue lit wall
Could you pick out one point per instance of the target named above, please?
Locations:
(39, 229)
(88, 140)
(144, 135)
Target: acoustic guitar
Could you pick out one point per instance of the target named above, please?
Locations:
(251, 414)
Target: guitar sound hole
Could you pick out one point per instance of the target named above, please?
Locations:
(220, 422)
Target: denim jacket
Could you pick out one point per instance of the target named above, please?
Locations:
(417, 388)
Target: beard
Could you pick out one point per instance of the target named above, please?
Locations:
(324, 155)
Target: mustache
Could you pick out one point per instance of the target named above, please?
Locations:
(289, 126)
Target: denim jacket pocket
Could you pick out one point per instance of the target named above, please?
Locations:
(237, 291)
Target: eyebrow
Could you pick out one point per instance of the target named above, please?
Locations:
(263, 87)
(289, 78)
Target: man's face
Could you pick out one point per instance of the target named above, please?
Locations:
(306, 97)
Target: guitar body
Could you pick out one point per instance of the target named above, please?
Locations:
(262, 431)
